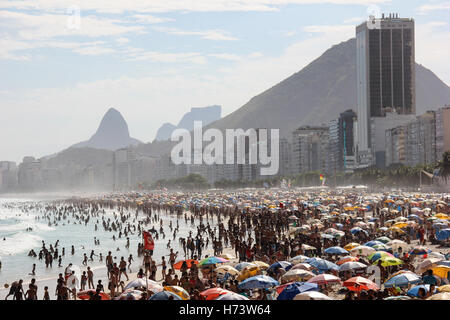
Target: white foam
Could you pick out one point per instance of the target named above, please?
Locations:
(19, 243)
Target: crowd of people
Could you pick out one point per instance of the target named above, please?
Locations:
(348, 245)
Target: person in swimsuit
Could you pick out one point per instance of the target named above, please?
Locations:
(123, 268)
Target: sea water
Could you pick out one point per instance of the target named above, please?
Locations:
(16, 242)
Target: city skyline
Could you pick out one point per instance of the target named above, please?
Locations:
(156, 56)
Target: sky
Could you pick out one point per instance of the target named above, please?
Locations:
(63, 64)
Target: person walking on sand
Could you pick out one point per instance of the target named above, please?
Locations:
(90, 276)
(123, 268)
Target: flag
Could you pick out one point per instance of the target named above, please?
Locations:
(149, 244)
(321, 177)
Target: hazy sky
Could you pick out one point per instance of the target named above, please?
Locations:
(155, 59)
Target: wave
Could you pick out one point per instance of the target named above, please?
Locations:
(23, 225)
(19, 243)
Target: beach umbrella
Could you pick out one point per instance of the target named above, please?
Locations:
(84, 295)
(384, 240)
(302, 266)
(352, 265)
(440, 296)
(426, 265)
(442, 216)
(395, 244)
(248, 272)
(296, 275)
(242, 265)
(398, 298)
(142, 283)
(443, 235)
(261, 264)
(227, 269)
(212, 260)
(321, 264)
(179, 291)
(189, 262)
(130, 294)
(232, 296)
(382, 247)
(403, 280)
(290, 291)
(346, 259)
(372, 243)
(379, 254)
(335, 250)
(324, 279)
(165, 295)
(362, 250)
(359, 284)
(419, 251)
(214, 293)
(280, 264)
(351, 245)
(306, 247)
(298, 259)
(414, 291)
(258, 282)
(441, 271)
(388, 261)
(312, 295)
(444, 288)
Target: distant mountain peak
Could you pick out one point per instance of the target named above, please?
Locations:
(205, 114)
(112, 133)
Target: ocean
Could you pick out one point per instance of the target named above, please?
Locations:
(16, 242)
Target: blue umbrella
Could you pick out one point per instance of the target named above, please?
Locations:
(402, 280)
(258, 282)
(414, 291)
(372, 243)
(279, 264)
(164, 295)
(295, 288)
(321, 264)
(335, 250)
(444, 234)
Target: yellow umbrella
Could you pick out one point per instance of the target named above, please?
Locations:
(442, 216)
(396, 229)
(247, 272)
(351, 245)
(445, 288)
(400, 225)
(441, 271)
(179, 291)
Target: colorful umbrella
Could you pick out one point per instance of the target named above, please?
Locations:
(403, 280)
(346, 259)
(359, 284)
(388, 261)
(190, 262)
(290, 291)
(214, 293)
(321, 264)
(258, 282)
(179, 291)
(324, 279)
(84, 295)
(335, 250)
(212, 260)
(312, 295)
(378, 255)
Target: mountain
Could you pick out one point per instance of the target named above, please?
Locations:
(320, 92)
(205, 114)
(112, 134)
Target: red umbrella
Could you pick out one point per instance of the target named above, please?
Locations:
(213, 293)
(359, 284)
(280, 288)
(324, 279)
(189, 263)
(84, 295)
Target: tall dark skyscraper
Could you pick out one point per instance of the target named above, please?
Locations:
(385, 77)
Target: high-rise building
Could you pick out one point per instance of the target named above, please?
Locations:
(385, 80)
(310, 149)
(442, 131)
(342, 148)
